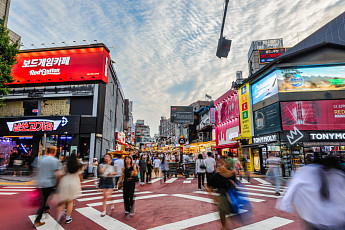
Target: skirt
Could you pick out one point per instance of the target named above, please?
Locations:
(68, 188)
(106, 182)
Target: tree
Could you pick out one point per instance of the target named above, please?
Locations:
(8, 58)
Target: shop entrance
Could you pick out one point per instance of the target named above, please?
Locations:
(257, 158)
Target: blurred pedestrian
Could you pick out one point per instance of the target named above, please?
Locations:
(164, 168)
(95, 168)
(200, 168)
(210, 167)
(149, 170)
(316, 192)
(106, 182)
(143, 169)
(48, 167)
(274, 171)
(245, 169)
(119, 164)
(156, 165)
(69, 186)
(127, 181)
(221, 181)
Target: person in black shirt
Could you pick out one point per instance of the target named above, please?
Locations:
(127, 181)
(221, 181)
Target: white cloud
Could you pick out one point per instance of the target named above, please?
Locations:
(160, 44)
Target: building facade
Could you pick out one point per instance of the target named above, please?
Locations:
(4, 13)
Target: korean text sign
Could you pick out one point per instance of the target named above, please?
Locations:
(245, 111)
(61, 66)
(313, 115)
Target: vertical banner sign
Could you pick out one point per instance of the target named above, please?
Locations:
(245, 114)
(213, 115)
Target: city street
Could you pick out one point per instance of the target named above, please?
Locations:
(176, 204)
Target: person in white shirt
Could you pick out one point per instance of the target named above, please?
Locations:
(156, 166)
(316, 193)
(210, 167)
(200, 167)
(119, 164)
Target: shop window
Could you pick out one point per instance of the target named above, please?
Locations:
(30, 108)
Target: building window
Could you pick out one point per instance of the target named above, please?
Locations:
(30, 108)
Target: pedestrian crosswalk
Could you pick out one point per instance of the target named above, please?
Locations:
(11, 190)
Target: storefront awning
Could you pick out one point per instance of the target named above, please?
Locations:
(231, 145)
(256, 145)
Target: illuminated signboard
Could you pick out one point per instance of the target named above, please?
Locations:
(312, 78)
(245, 113)
(35, 125)
(61, 66)
(265, 88)
(268, 55)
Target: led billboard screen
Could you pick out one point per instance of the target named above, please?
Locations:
(317, 78)
(61, 66)
(265, 88)
(313, 115)
(268, 55)
(182, 114)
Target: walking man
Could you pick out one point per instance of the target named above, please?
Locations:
(48, 167)
(210, 167)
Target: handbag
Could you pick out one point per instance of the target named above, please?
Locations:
(33, 199)
(238, 200)
(202, 165)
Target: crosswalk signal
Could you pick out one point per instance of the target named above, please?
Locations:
(223, 48)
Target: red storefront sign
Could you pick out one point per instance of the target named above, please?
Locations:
(61, 66)
(36, 125)
(313, 115)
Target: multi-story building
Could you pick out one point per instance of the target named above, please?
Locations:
(78, 108)
(142, 133)
(4, 12)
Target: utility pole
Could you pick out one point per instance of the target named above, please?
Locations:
(224, 45)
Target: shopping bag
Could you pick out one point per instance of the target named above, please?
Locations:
(33, 199)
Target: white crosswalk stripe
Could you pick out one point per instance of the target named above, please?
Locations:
(50, 223)
(101, 197)
(8, 193)
(16, 190)
(268, 224)
(121, 200)
(243, 181)
(171, 180)
(261, 181)
(216, 194)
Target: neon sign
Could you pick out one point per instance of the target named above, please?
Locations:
(36, 125)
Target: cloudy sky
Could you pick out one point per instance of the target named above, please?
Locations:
(165, 50)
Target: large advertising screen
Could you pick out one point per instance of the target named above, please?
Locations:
(268, 55)
(61, 66)
(313, 115)
(317, 78)
(267, 120)
(265, 88)
(182, 114)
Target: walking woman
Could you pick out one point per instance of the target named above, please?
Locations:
(149, 170)
(143, 169)
(106, 182)
(127, 181)
(69, 187)
(164, 168)
(200, 167)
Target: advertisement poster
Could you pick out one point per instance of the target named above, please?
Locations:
(227, 132)
(268, 55)
(61, 66)
(265, 88)
(320, 78)
(245, 113)
(267, 120)
(313, 115)
(228, 109)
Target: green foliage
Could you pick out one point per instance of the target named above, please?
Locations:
(8, 58)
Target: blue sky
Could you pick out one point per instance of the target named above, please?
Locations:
(165, 50)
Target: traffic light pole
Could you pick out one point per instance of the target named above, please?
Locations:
(224, 16)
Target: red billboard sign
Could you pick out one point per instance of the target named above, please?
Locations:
(61, 66)
(268, 55)
(313, 115)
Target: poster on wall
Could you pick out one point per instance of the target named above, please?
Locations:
(267, 120)
(319, 78)
(228, 109)
(245, 111)
(313, 115)
(265, 88)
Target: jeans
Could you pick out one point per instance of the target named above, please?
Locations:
(45, 194)
(201, 179)
(149, 175)
(164, 175)
(208, 177)
(128, 194)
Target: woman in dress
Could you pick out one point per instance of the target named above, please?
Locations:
(127, 181)
(149, 170)
(200, 168)
(69, 187)
(106, 182)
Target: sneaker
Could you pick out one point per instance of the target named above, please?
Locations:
(199, 189)
(126, 212)
(132, 212)
(69, 221)
(39, 224)
(112, 207)
(103, 214)
(277, 194)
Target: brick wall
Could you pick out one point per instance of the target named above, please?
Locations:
(55, 107)
(12, 109)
